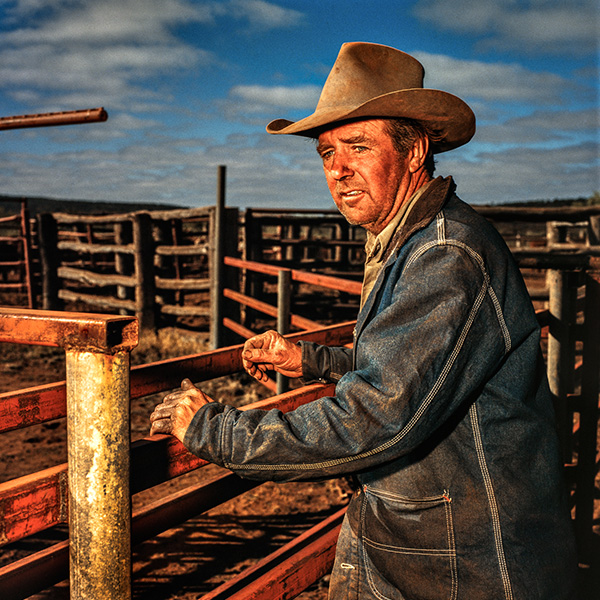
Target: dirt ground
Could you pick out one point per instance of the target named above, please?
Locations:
(189, 560)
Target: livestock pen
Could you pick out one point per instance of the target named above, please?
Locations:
(33, 503)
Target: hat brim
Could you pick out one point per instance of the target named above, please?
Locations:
(447, 115)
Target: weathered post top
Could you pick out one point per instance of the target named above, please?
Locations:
(69, 330)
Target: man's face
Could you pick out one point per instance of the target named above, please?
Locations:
(366, 175)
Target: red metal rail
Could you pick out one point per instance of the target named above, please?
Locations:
(70, 117)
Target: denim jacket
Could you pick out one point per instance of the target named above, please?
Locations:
(442, 414)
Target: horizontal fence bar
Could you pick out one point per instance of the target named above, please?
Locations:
(97, 301)
(42, 569)
(96, 279)
(35, 502)
(42, 403)
(67, 329)
(257, 267)
(289, 570)
(327, 281)
(86, 248)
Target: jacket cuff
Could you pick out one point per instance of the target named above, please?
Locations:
(323, 364)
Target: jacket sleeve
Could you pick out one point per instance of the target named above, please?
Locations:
(437, 336)
(324, 364)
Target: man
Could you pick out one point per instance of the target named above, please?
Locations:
(441, 412)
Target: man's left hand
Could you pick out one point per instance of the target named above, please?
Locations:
(175, 413)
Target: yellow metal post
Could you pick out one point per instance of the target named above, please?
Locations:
(99, 499)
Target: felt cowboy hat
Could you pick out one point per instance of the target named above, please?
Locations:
(373, 81)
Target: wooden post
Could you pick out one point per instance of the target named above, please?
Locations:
(145, 287)
(123, 262)
(594, 230)
(216, 266)
(284, 286)
(49, 259)
(588, 418)
(26, 242)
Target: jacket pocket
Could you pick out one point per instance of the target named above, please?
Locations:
(408, 546)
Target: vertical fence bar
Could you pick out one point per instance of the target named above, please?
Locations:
(588, 415)
(145, 287)
(561, 350)
(49, 261)
(98, 459)
(217, 267)
(97, 359)
(284, 295)
(26, 242)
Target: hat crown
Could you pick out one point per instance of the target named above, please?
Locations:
(363, 71)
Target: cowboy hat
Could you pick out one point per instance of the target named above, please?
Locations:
(374, 81)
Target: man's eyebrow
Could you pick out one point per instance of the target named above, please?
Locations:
(359, 138)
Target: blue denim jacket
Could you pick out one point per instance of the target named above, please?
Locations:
(442, 413)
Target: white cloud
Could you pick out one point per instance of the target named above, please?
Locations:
(551, 26)
(263, 15)
(107, 50)
(492, 82)
(304, 96)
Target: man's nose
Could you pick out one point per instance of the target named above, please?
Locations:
(340, 167)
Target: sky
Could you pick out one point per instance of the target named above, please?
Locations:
(191, 84)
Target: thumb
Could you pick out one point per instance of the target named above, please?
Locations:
(186, 385)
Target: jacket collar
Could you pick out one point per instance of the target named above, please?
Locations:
(427, 207)
(421, 215)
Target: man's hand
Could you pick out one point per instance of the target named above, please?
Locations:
(271, 351)
(175, 413)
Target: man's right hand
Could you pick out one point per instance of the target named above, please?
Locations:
(271, 351)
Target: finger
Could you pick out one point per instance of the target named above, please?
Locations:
(164, 426)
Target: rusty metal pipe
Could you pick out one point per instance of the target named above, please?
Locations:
(97, 360)
(69, 117)
(98, 460)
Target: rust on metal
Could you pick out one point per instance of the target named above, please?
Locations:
(69, 330)
(69, 117)
(98, 475)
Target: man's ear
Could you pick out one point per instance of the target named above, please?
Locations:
(418, 153)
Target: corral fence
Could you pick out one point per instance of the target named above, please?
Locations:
(16, 256)
(91, 493)
(100, 345)
(167, 267)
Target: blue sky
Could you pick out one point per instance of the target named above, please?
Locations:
(191, 84)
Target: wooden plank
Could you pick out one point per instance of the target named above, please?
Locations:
(84, 248)
(289, 570)
(182, 284)
(185, 311)
(96, 279)
(189, 250)
(99, 301)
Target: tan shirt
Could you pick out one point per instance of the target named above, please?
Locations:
(376, 245)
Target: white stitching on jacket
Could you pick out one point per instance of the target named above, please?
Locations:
(489, 488)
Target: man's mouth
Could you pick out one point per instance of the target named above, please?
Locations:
(350, 194)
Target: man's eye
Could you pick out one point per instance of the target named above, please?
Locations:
(326, 154)
(360, 148)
